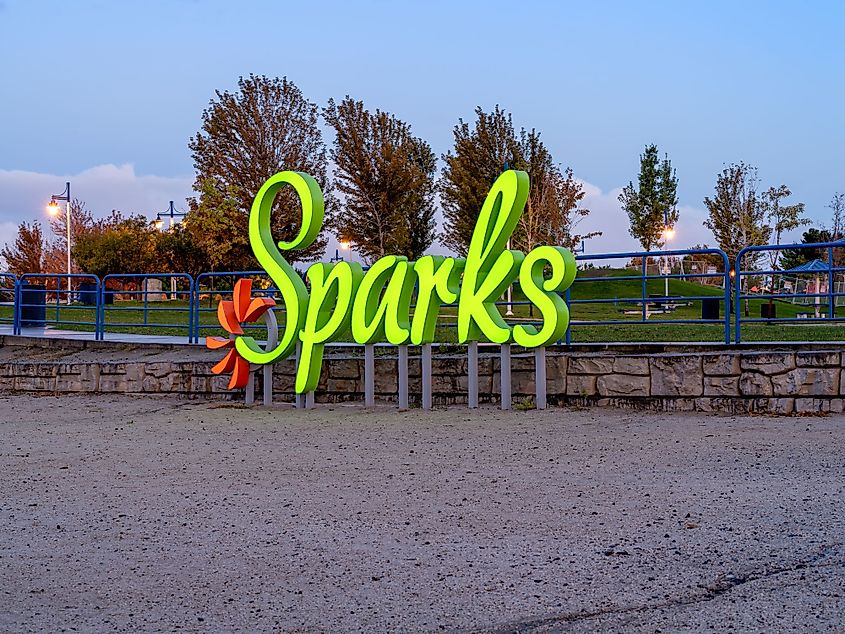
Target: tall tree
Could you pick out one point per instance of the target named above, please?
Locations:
(26, 255)
(796, 257)
(737, 215)
(471, 166)
(837, 206)
(120, 245)
(386, 175)
(652, 205)
(552, 210)
(782, 218)
(219, 228)
(837, 229)
(179, 252)
(264, 127)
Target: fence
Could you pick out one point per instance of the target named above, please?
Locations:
(822, 302)
(172, 314)
(649, 303)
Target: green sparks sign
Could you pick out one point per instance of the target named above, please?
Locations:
(375, 306)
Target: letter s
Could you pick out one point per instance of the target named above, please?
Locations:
(286, 279)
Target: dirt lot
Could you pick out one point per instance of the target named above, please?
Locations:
(151, 514)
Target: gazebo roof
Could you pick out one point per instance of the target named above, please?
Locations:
(813, 266)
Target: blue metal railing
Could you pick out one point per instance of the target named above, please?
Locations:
(645, 299)
(65, 295)
(636, 305)
(8, 297)
(827, 270)
(104, 307)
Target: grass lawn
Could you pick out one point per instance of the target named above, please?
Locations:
(618, 302)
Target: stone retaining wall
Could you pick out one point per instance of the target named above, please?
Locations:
(785, 379)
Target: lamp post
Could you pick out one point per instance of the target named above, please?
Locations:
(159, 222)
(53, 210)
(344, 245)
(668, 234)
(171, 213)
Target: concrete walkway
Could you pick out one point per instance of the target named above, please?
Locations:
(116, 337)
(151, 514)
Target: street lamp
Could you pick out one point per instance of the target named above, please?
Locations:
(668, 234)
(53, 210)
(344, 244)
(171, 213)
(159, 223)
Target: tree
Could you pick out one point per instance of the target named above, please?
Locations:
(793, 258)
(26, 255)
(704, 260)
(265, 127)
(837, 205)
(387, 178)
(737, 217)
(837, 231)
(551, 211)
(124, 245)
(219, 228)
(474, 163)
(179, 252)
(782, 218)
(652, 206)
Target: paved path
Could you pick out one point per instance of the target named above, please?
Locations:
(117, 337)
(149, 514)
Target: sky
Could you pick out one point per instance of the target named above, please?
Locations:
(107, 94)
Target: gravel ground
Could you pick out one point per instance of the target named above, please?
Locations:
(153, 514)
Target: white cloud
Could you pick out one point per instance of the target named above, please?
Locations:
(102, 188)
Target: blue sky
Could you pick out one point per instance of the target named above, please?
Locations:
(108, 93)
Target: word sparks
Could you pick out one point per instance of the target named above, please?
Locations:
(376, 305)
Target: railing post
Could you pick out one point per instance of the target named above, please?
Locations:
(369, 375)
(99, 298)
(425, 371)
(146, 291)
(249, 394)
(505, 375)
(737, 298)
(16, 309)
(402, 363)
(540, 377)
(728, 290)
(190, 305)
(472, 374)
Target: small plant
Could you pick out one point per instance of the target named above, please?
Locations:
(525, 404)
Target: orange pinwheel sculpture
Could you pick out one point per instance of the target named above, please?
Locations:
(241, 309)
